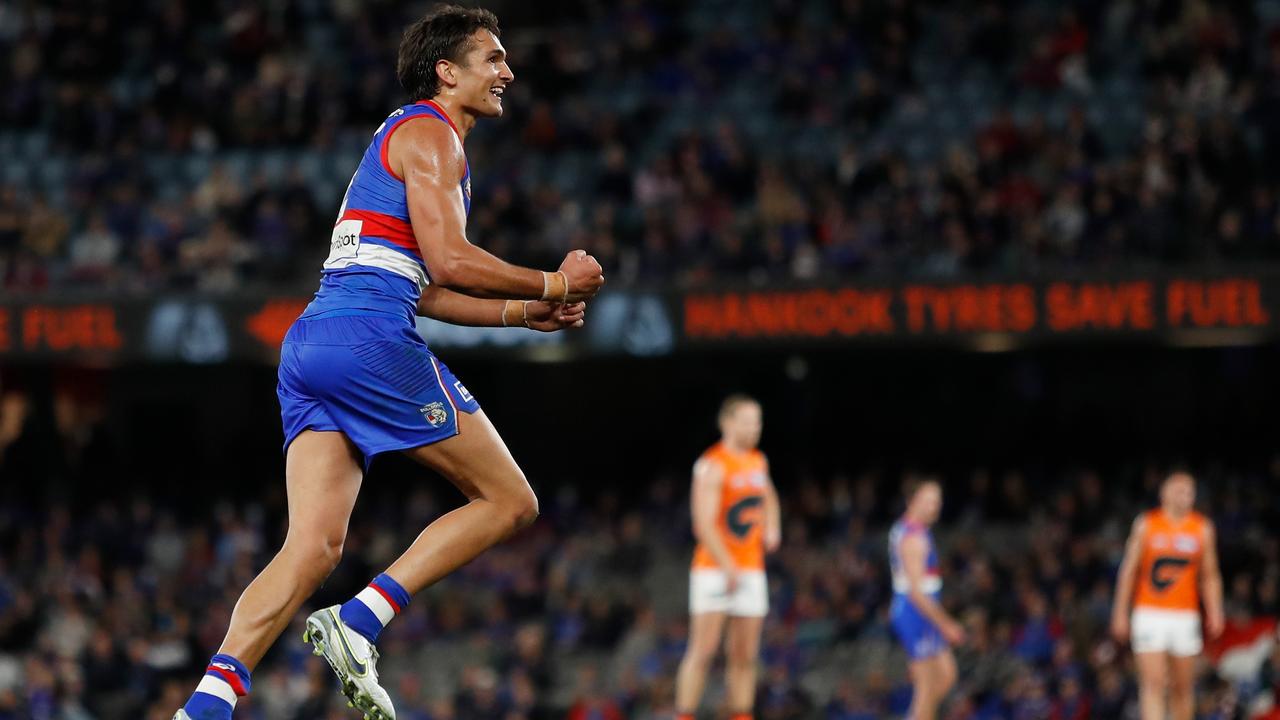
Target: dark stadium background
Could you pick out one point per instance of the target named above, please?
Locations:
(927, 409)
(168, 172)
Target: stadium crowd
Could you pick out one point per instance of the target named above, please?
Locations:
(156, 145)
(111, 599)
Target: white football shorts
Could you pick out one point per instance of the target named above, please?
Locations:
(707, 593)
(1176, 632)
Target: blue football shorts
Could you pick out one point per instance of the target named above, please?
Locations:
(916, 632)
(370, 377)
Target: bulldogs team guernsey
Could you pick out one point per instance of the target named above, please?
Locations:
(374, 260)
(353, 362)
(918, 634)
(932, 584)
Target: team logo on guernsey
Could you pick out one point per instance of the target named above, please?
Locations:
(1165, 571)
(743, 516)
(434, 413)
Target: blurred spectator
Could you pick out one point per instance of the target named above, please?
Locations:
(104, 608)
(93, 252)
(901, 138)
(591, 702)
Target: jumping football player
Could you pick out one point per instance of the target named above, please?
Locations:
(357, 380)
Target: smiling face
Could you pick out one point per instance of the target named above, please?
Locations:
(478, 81)
(453, 55)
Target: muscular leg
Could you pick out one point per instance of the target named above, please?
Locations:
(705, 630)
(1182, 685)
(1153, 683)
(322, 474)
(478, 463)
(742, 651)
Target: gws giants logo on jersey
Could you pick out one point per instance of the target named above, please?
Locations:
(434, 413)
(1165, 571)
(744, 515)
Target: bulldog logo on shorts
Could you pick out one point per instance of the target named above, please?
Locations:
(435, 413)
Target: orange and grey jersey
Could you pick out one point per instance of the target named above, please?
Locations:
(740, 515)
(1169, 568)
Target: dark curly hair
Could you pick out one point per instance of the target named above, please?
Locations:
(442, 34)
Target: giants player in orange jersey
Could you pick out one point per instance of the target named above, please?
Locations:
(736, 519)
(1170, 565)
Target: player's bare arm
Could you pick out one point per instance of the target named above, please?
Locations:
(707, 480)
(914, 552)
(772, 514)
(445, 305)
(430, 159)
(1211, 584)
(1125, 577)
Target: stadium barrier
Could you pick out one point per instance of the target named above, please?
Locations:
(1210, 309)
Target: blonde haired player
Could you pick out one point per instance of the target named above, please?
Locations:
(1170, 564)
(736, 521)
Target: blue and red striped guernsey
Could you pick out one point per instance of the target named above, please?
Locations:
(373, 233)
(932, 573)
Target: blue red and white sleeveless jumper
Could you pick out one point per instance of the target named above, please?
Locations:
(917, 633)
(353, 362)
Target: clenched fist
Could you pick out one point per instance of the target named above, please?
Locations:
(583, 274)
